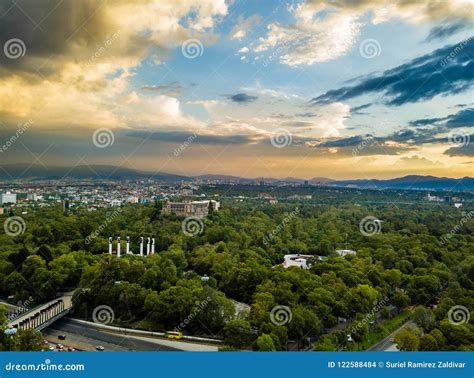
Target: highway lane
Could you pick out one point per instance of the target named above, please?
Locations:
(88, 337)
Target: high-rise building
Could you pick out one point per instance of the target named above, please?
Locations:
(7, 198)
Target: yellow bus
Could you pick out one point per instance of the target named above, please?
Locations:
(174, 335)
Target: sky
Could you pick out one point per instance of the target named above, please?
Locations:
(252, 88)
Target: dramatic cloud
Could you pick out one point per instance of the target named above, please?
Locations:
(324, 30)
(357, 109)
(464, 150)
(181, 137)
(411, 10)
(445, 71)
(315, 37)
(446, 30)
(463, 118)
(242, 98)
(80, 55)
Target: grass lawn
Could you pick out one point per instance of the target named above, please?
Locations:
(387, 327)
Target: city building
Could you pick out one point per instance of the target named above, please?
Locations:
(7, 198)
(431, 198)
(189, 208)
(299, 260)
(1, 210)
(345, 252)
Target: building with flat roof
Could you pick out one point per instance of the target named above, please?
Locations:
(189, 208)
(301, 261)
(345, 252)
(7, 198)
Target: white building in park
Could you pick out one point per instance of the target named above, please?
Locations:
(301, 261)
(345, 252)
(7, 197)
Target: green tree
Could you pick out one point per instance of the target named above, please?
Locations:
(237, 333)
(400, 299)
(265, 343)
(424, 318)
(428, 343)
(407, 339)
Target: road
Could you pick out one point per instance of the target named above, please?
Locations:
(87, 335)
(385, 345)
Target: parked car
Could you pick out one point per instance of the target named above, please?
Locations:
(62, 337)
(51, 348)
(60, 346)
(100, 348)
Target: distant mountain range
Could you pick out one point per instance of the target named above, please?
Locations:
(113, 173)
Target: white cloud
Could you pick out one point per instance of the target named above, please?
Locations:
(324, 30)
(243, 26)
(314, 37)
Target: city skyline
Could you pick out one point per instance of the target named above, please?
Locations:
(337, 89)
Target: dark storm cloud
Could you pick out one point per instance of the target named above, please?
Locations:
(48, 28)
(445, 30)
(347, 142)
(445, 71)
(463, 118)
(357, 109)
(465, 150)
(425, 121)
(393, 144)
(181, 136)
(241, 98)
(56, 32)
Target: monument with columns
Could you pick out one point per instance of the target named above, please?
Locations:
(150, 246)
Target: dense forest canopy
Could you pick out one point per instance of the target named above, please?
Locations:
(408, 265)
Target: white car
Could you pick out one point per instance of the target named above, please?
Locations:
(100, 348)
